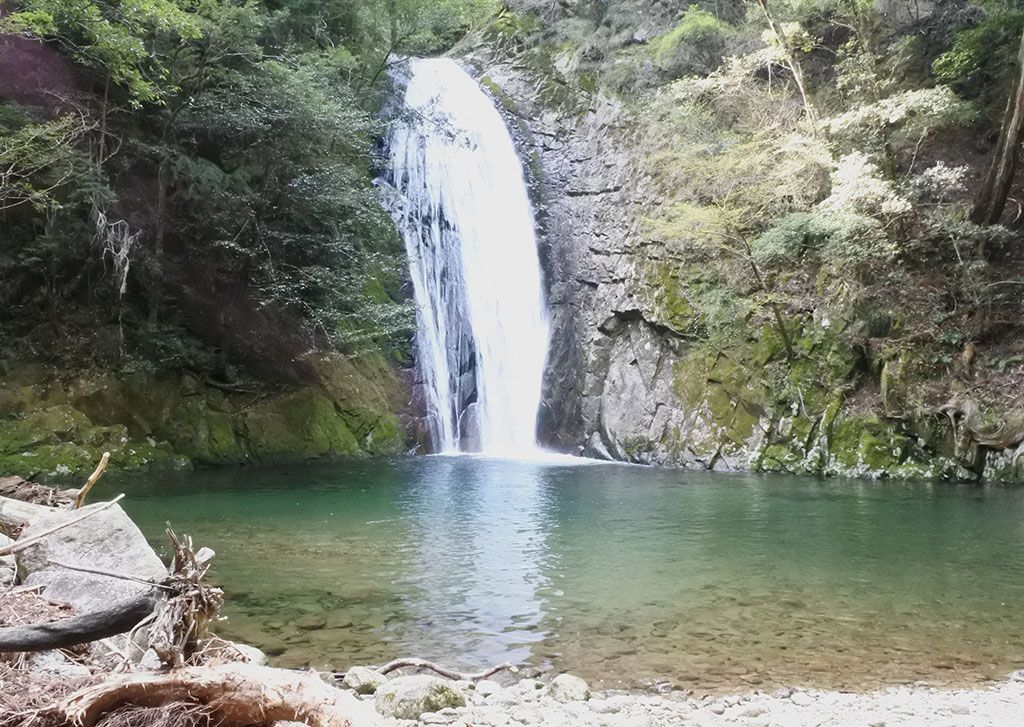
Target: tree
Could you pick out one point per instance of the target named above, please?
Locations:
(792, 61)
(991, 199)
(109, 37)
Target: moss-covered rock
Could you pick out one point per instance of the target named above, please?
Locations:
(60, 440)
(61, 425)
(301, 425)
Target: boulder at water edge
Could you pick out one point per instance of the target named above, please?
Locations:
(107, 541)
(362, 680)
(567, 688)
(409, 697)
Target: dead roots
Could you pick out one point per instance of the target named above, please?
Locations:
(235, 695)
(972, 432)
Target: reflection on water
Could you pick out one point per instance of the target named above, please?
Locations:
(620, 574)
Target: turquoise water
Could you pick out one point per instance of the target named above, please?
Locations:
(624, 575)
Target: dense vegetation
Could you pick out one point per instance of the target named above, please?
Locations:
(819, 165)
(187, 183)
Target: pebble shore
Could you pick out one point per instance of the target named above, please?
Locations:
(531, 702)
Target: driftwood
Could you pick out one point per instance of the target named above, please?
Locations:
(1007, 435)
(180, 626)
(21, 489)
(237, 695)
(443, 671)
(80, 629)
(93, 479)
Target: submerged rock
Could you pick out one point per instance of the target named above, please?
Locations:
(410, 697)
(567, 688)
(363, 680)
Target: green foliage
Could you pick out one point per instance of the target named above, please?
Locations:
(109, 37)
(845, 240)
(904, 117)
(231, 146)
(695, 45)
(41, 160)
(510, 31)
(982, 55)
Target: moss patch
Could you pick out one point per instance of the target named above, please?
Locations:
(50, 425)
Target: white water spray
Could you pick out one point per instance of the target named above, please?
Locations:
(463, 210)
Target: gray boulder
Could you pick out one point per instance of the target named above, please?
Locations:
(409, 697)
(567, 688)
(7, 563)
(362, 680)
(108, 541)
(246, 653)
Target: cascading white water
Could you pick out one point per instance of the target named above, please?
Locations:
(463, 210)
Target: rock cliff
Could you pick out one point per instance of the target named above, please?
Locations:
(631, 378)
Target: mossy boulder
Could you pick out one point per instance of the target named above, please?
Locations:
(864, 447)
(60, 440)
(412, 696)
(54, 425)
(303, 424)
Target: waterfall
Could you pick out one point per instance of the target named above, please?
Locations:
(461, 205)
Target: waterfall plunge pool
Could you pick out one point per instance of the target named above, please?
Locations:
(623, 575)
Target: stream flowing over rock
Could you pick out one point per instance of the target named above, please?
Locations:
(456, 191)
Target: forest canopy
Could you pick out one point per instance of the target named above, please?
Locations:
(187, 183)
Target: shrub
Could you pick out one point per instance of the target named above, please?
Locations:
(695, 46)
(903, 118)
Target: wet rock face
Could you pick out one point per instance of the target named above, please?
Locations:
(609, 373)
(627, 378)
(52, 425)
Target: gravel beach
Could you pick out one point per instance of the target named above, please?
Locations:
(531, 702)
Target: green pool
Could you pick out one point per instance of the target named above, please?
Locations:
(623, 575)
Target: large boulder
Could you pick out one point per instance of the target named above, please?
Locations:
(409, 697)
(107, 541)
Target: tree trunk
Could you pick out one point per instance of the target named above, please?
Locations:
(991, 199)
(794, 64)
(237, 695)
(118, 619)
(156, 283)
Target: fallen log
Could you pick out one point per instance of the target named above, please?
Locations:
(236, 695)
(443, 671)
(117, 619)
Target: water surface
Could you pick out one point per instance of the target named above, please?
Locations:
(623, 575)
